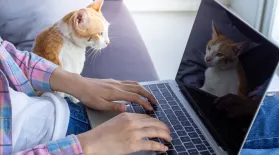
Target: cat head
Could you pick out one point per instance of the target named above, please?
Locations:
(88, 26)
(221, 51)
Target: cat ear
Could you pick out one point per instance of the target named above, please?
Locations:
(216, 32)
(96, 5)
(80, 20)
(238, 48)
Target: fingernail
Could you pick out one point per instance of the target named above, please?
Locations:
(166, 148)
(123, 108)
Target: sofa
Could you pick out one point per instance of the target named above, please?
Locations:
(126, 58)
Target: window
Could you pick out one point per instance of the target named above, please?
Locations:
(274, 30)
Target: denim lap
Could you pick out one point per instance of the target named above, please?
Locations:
(264, 133)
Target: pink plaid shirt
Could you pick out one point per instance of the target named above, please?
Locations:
(26, 72)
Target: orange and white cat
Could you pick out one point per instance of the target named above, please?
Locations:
(65, 42)
(225, 74)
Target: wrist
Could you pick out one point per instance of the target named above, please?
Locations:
(63, 81)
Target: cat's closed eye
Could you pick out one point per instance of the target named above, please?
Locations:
(219, 55)
(208, 47)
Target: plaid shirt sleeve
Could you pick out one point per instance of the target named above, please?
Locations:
(69, 146)
(37, 69)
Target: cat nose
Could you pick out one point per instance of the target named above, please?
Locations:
(208, 59)
(107, 42)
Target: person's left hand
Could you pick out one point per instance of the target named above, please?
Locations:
(237, 106)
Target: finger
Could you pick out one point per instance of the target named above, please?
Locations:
(113, 106)
(131, 97)
(148, 122)
(135, 116)
(153, 132)
(148, 145)
(139, 90)
(130, 82)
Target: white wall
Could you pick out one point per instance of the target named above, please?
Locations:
(249, 10)
(165, 35)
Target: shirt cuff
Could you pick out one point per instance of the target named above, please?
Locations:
(69, 145)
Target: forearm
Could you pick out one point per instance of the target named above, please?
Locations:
(64, 81)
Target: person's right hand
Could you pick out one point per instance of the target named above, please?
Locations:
(124, 134)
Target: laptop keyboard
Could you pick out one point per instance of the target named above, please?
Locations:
(187, 138)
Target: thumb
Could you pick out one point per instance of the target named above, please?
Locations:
(114, 106)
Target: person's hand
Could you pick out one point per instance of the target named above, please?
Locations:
(100, 94)
(236, 106)
(125, 134)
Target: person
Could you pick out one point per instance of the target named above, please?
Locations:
(236, 106)
(22, 72)
(263, 135)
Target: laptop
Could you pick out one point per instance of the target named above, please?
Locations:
(197, 126)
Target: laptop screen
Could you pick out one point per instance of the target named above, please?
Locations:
(224, 73)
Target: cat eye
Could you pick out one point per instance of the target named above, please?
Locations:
(100, 34)
(90, 39)
(219, 55)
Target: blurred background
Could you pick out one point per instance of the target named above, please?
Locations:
(165, 25)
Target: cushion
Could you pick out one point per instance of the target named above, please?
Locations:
(126, 57)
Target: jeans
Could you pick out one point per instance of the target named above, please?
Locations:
(263, 137)
(78, 122)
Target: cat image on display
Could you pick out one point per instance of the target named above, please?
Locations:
(65, 42)
(225, 74)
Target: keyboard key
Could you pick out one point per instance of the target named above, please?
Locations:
(181, 133)
(198, 131)
(201, 147)
(205, 153)
(130, 109)
(179, 113)
(159, 113)
(194, 125)
(139, 110)
(185, 123)
(171, 152)
(193, 135)
(168, 111)
(171, 129)
(172, 103)
(174, 136)
(169, 99)
(189, 145)
(189, 129)
(206, 143)
(183, 153)
(178, 127)
(165, 106)
(161, 86)
(153, 87)
(179, 148)
(171, 117)
(162, 101)
(211, 150)
(164, 90)
(175, 108)
(185, 139)
(197, 141)
(182, 118)
(193, 152)
(202, 137)
(176, 142)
